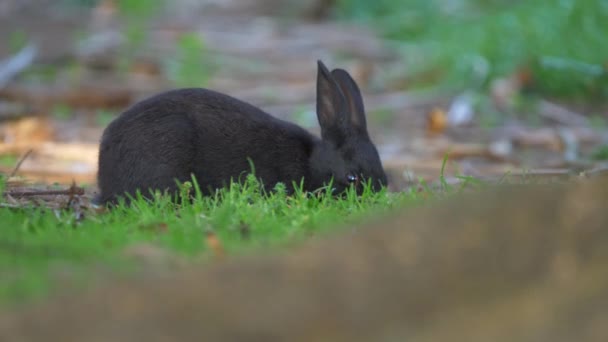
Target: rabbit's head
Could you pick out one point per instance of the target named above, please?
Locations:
(346, 152)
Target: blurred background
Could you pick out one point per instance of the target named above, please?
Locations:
(501, 87)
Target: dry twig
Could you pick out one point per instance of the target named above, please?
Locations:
(71, 191)
(27, 154)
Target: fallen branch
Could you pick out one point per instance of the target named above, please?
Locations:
(10, 206)
(84, 96)
(55, 176)
(494, 152)
(17, 63)
(561, 115)
(71, 191)
(551, 138)
(403, 102)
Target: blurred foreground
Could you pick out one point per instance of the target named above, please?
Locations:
(511, 264)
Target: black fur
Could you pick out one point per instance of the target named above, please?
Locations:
(212, 136)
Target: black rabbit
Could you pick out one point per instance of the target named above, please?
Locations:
(174, 135)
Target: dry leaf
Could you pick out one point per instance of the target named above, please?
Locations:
(30, 130)
(215, 245)
(436, 121)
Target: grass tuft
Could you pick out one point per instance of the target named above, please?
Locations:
(38, 243)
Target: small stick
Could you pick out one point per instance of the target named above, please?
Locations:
(27, 154)
(10, 206)
(71, 191)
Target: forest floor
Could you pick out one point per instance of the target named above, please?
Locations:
(54, 109)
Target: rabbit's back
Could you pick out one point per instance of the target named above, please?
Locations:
(194, 104)
(202, 132)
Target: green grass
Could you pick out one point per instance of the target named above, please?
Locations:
(8, 160)
(36, 244)
(190, 67)
(467, 43)
(600, 153)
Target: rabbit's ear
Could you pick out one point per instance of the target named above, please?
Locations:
(354, 102)
(331, 107)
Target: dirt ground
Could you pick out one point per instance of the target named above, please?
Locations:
(254, 54)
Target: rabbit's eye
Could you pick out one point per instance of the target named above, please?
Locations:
(351, 178)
